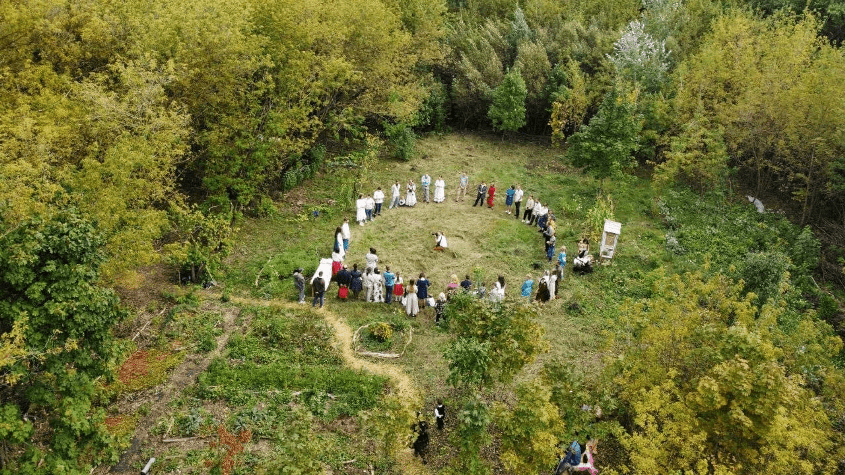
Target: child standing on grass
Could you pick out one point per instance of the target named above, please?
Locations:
(398, 288)
(550, 251)
(561, 258)
(422, 289)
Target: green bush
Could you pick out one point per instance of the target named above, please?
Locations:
(403, 139)
(381, 331)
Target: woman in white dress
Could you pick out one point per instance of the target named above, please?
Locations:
(378, 286)
(497, 293)
(411, 195)
(360, 211)
(412, 303)
(439, 190)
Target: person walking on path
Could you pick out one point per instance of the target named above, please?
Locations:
(490, 193)
(517, 200)
(347, 234)
(396, 192)
(389, 281)
(378, 197)
(463, 183)
(480, 192)
(318, 286)
(299, 282)
(426, 186)
(509, 197)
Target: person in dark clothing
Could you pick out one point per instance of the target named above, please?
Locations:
(299, 282)
(344, 279)
(357, 283)
(318, 286)
(481, 193)
(421, 443)
(422, 289)
(440, 414)
(466, 284)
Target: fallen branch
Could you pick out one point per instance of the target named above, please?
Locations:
(258, 277)
(145, 326)
(182, 439)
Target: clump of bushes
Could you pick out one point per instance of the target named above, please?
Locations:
(382, 331)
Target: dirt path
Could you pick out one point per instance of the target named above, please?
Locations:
(183, 376)
(403, 384)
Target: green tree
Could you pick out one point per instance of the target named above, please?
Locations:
(703, 380)
(698, 157)
(606, 145)
(530, 429)
(55, 324)
(508, 109)
(473, 421)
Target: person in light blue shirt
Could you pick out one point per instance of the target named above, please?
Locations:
(561, 258)
(426, 184)
(527, 287)
(462, 187)
(389, 281)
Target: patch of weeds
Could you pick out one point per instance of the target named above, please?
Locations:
(144, 369)
(197, 421)
(122, 428)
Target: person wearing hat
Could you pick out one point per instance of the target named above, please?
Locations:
(299, 282)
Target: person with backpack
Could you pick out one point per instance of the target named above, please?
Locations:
(570, 459)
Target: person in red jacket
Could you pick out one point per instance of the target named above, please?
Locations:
(490, 192)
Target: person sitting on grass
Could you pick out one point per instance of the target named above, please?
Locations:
(440, 241)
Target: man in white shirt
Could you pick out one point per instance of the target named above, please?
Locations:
(396, 190)
(517, 200)
(378, 197)
(345, 233)
(369, 205)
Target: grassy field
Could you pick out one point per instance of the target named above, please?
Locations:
(250, 358)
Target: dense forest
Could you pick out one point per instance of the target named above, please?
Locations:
(140, 133)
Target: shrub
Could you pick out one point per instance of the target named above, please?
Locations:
(381, 331)
(403, 139)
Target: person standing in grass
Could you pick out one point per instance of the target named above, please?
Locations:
(529, 209)
(550, 247)
(378, 286)
(299, 282)
(411, 194)
(412, 307)
(491, 192)
(426, 186)
(480, 192)
(378, 198)
(561, 258)
(343, 278)
(517, 200)
(338, 242)
(453, 285)
(439, 190)
(558, 278)
(463, 183)
(527, 286)
(360, 211)
(439, 307)
(543, 289)
(346, 234)
(422, 289)
(369, 206)
(356, 284)
(389, 282)
(510, 193)
(440, 414)
(398, 288)
(368, 285)
(552, 279)
(371, 258)
(396, 192)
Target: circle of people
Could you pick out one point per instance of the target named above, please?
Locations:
(388, 286)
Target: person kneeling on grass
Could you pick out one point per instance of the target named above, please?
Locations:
(439, 241)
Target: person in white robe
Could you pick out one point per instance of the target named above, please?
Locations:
(360, 210)
(411, 195)
(439, 190)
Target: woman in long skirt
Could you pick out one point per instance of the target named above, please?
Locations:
(411, 194)
(439, 190)
(490, 193)
(412, 305)
(360, 210)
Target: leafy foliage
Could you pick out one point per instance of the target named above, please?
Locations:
(508, 109)
(606, 145)
(58, 322)
(529, 429)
